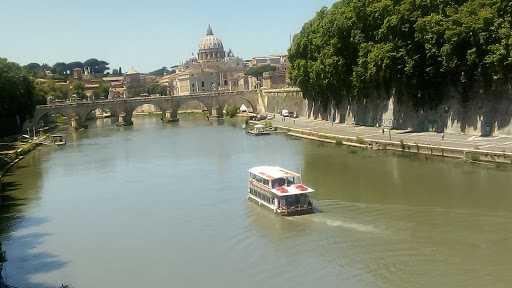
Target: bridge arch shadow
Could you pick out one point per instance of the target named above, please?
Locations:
(193, 105)
(51, 117)
(238, 101)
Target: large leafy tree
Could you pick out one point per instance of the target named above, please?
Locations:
(417, 48)
(156, 88)
(94, 65)
(78, 89)
(18, 97)
(59, 68)
(102, 90)
(160, 72)
(259, 70)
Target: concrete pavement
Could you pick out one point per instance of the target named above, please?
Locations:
(493, 143)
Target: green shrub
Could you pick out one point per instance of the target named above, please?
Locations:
(268, 124)
(361, 141)
(231, 111)
(473, 157)
(246, 121)
(339, 142)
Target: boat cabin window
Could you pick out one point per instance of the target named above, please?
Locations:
(294, 200)
(287, 181)
(278, 182)
(259, 179)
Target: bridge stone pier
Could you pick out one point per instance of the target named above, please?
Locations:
(122, 109)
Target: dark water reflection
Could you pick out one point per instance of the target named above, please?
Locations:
(165, 205)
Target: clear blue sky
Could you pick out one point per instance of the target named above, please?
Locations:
(146, 34)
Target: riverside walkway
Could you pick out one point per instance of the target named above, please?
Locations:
(460, 141)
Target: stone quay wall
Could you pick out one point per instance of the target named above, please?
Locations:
(486, 114)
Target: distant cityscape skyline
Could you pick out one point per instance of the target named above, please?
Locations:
(146, 38)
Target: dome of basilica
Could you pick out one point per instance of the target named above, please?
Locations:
(211, 47)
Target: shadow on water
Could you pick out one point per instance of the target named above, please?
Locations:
(30, 262)
(23, 262)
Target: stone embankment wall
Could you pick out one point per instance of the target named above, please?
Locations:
(485, 114)
(285, 99)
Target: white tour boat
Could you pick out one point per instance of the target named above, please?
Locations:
(280, 190)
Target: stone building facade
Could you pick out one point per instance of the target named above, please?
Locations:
(212, 70)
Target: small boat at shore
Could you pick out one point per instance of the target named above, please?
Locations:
(258, 130)
(58, 140)
(279, 190)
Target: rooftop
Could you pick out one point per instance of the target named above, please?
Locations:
(271, 172)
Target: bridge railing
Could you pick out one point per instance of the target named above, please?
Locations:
(138, 99)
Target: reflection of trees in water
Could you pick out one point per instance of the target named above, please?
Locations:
(18, 191)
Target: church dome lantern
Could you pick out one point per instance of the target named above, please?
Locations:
(210, 47)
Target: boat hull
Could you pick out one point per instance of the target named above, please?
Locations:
(257, 133)
(289, 212)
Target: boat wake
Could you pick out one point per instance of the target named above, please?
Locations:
(350, 225)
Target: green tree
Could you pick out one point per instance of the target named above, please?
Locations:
(231, 111)
(59, 68)
(41, 93)
(161, 72)
(95, 66)
(259, 70)
(34, 69)
(415, 48)
(156, 88)
(78, 89)
(17, 92)
(102, 90)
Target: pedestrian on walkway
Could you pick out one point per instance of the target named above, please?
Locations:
(442, 137)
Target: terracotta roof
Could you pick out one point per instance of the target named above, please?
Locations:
(113, 78)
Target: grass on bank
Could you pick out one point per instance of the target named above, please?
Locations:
(10, 155)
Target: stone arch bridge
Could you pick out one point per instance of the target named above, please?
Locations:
(169, 105)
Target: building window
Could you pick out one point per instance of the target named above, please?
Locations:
(225, 82)
(202, 84)
(193, 85)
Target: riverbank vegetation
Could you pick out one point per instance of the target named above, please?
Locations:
(19, 96)
(12, 151)
(414, 48)
(231, 111)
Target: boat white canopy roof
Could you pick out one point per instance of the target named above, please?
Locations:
(271, 172)
(259, 126)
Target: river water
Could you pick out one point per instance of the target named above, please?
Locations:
(165, 205)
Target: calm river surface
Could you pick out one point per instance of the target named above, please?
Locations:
(164, 205)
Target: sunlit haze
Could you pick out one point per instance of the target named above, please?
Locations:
(146, 35)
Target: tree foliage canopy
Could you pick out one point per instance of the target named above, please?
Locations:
(259, 70)
(156, 88)
(18, 95)
(162, 71)
(415, 47)
(92, 66)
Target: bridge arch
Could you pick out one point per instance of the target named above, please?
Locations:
(200, 100)
(88, 111)
(38, 118)
(238, 100)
